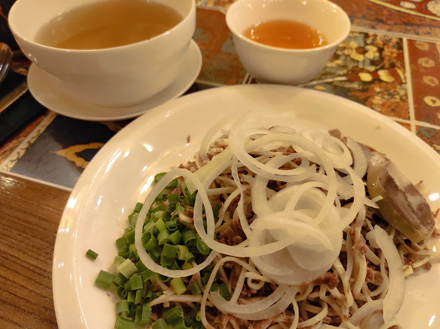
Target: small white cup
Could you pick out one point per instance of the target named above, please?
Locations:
(282, 65)
(111, 77)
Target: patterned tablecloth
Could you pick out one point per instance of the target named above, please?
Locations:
(390, 63)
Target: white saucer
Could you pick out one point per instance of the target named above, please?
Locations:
(51, 94)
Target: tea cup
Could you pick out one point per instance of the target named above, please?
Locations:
(284, 65)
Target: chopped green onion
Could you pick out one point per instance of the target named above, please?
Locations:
(130, 297)
(155, 254)
(187, 266)
(140, 266)
(158, 177)
(172, 225)
(147, 274)
(166, 261)
(175, 237)
(132, 252)
(121, 243)
(138, 207)
(178, 286)
(123, 323)
(138, 296)
(119, 279)
(189, 257)
(116, 262)
(149, 226)
(160, 225)
(132, 310)
(122, 307)
(173, 198)
(189, 237)
(127, 268)
(123, 252)
(132, 218)
(160, 214)
(173, 184)
(194, 288)
(169, 250)
(121, 292)
(222, 289)
(136, 282)
(175, 265)
(160, 324)
(163, 237)
(174, 315)
(149, 241)
(158, 208)
(157, 294)
(143, 315)
(129, 234)
(91, 254)
(177, 210)
(191, 197)
(182, 251)
(104, 279)
(148, 295)
(202, 247)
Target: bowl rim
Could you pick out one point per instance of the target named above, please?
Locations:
(239, 34)
(190, 15)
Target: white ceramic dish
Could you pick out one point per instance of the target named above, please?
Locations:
(120, 174)
(283, 65)
(112, 76)
(56, 97)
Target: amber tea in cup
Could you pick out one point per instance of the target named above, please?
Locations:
(280, 61)
(106, 24)
(286, 34)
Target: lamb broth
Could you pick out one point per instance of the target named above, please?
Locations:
(108, 23)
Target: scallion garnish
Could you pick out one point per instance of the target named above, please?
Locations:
(178, 286)
(92, 254)
(104, 279)
(127, 268)
(202, 247)
(169, 244)
(194, 288)
(160, 324)
(123, 323)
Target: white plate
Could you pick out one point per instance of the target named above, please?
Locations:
(51, 94)
(120, 174)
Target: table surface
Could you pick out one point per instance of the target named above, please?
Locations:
(389, 63)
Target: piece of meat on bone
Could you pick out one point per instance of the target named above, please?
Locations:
(401, 204)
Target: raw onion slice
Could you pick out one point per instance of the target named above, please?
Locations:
(309, 257)
(208, 137)
(359, 158)
(334, 148)
(396, 289)
(241, 151)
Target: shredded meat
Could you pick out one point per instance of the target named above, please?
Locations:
(329, 279)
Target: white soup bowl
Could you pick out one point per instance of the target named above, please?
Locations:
(110, 77)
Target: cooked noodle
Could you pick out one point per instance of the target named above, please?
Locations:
(297, 240)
